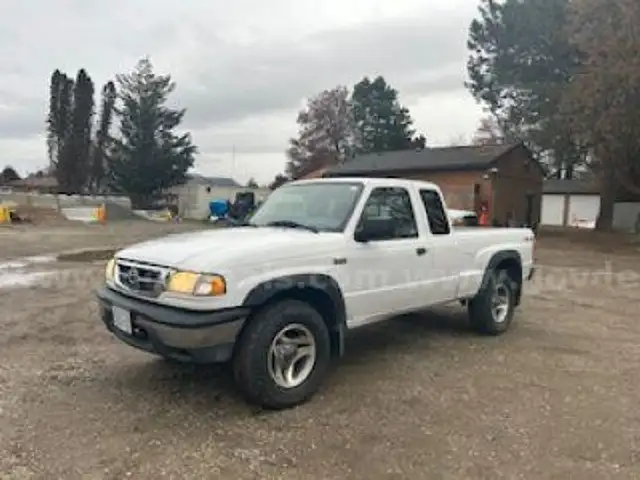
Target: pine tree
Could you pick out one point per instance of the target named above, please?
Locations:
(148, 157)
(383, 123)
(73, 167)
(101, 144)
(63, 134)
(53, 118)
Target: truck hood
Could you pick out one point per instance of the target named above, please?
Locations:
(197, 251)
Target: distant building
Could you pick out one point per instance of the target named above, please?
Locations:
(35, 183)
(194, 195)
(505, 178)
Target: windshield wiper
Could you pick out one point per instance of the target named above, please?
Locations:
(291, 224)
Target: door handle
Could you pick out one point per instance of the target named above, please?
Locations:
(421, 251)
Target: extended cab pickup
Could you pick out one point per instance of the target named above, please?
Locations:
(275, 296)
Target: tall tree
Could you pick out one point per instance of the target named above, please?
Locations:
(383, 124)
(520, 63)
(251, 183)
(278, 181)
(8, 174)
(149, 156)
(602, 102)
(64, 151)
(81, 125)
(489, 132)
(98, 175)
(53, 117)
(326, 133)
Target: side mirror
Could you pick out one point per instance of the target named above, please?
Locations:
(375, 229)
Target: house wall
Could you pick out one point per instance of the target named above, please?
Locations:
(194, 199)
(58, 201)
(582, 211)
(457, 187)
(506, 191)
(517, 177)
(626, 217)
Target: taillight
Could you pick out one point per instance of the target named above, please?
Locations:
(531, 238)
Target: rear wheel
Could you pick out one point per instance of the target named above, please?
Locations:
(283, 355)
(491, 310)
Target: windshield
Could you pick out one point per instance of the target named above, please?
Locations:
(325, 207)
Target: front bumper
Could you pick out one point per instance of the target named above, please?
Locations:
(184, 335)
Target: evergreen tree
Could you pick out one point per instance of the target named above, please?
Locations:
(63, 134)
(383, 123)
(73, 166)
(98, 173)
(520, 62)
(53, 118)
(8, 174)
(148, 157)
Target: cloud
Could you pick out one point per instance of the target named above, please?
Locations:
(242, 68)
(261, 78)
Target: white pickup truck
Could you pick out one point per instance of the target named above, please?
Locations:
(275, 297)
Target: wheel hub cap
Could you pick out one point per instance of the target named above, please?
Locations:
(292, 356)
(500, 303)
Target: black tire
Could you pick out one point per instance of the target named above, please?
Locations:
(481, 312)
(251, 358)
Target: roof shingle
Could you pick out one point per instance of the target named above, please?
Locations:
(436, 158)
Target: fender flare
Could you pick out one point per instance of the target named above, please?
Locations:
(495, 261)
(266, 291)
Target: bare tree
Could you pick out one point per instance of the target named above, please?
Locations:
(327, 133)
(488, 132)
(601, 103)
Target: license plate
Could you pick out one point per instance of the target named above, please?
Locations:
(122, 319)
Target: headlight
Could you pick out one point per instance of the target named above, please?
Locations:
(109, 272)
(197, 284)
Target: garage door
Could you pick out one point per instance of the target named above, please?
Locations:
(552, 207)
(583, 210)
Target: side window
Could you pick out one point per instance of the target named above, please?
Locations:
(436, 216)
(393, 204)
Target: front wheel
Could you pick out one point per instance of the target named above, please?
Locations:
(283, 355)
(491, 310)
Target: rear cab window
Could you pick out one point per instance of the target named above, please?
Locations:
(436, 213)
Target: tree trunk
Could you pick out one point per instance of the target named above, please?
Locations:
(569, 171)
(608, 193)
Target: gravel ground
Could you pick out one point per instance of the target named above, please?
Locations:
(418, 397)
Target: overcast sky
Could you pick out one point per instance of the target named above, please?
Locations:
(242, 68)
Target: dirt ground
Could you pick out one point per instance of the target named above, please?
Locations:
(418, 397)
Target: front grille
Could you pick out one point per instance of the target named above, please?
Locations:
(148, 280)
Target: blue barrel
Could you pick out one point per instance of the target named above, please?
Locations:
(218, 208)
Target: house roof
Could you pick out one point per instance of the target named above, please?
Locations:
(318, 173)
(570, 187)
(473, 157)
(35, 182)
(211, 181)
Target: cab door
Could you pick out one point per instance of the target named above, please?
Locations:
(381, 276)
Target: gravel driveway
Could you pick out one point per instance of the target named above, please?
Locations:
(418, 397)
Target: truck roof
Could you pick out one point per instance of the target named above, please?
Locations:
(373, 181)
